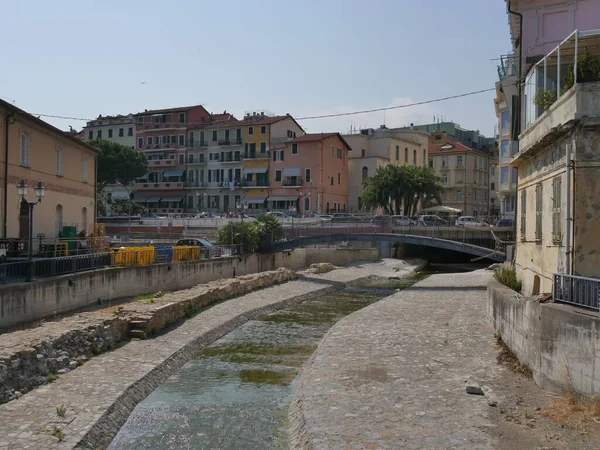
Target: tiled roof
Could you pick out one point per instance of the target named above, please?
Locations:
(168, 110)
(315, 137)
(456, 147)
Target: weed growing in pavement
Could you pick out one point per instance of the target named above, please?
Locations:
(58, 433)
(510, 360)
(508, 277)
(574, 411)
(96, 350)
(61, 411)
(52, 377)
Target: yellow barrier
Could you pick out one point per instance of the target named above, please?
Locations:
(134, 256)
(186, 253)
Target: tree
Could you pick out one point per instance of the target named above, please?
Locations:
(236, 233)
(118, 164)
(400, 189)
(269, 230)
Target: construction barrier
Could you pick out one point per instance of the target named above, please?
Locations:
(133, 256)
(186, 253)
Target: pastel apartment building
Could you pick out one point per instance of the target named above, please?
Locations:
(37, 151)
(162, 135)
(309, 174)
(558, 155)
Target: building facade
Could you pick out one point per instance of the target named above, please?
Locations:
(37, 151)
(372, 149)
(465, 175)
(162, 135)
(119, 129)
(309, 174)
(471, 138)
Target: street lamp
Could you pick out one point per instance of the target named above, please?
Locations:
(292, 210)
(40, 190)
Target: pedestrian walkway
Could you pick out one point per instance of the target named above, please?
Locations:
(393, 375)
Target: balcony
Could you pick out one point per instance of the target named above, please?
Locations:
(560, 90)
(162, 163)
(227, 142)
(293, 182)
(198, 144)
(231, 158)
(196, 161)
(164, 185)
(255, 184)
(256, 155)
(508, 67)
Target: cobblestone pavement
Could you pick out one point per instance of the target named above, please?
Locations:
(105, 389)
(393, 375)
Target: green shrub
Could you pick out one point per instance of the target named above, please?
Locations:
(545, 98)
(508, 277)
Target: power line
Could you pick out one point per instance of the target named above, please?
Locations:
(324, 116)
(364, 111)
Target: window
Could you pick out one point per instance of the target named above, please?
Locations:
(327, 207)
(306, 204)
(121, 132)
(460, 177)
(406, 154)
(150, 140)
(263, 148)
(275, 156)
(331, 181)
(173, 140)
(181, 117)
(59, 161)
(99, 134)
(365, 173)
(424, 157)
(492, 186)
(505, 123)
(141, 120)
(505, 151)
(363, 153)
(214, 135)
(460, 196)
(414, 157)
(523, 214)
(444, 162)
(475, 161)
(263, 129)
(281, 155)
(24, 149)
(339, 178)
(538, 211)
(278, 176)
(515, 175)
(110, 133)
(181, 159)
(84, 170)
(182, 140)
(431, 163)
(556, 209)
(333, 151)
(191, 158)
(294, 149)
(445, 179)
(459, 161)
(397, 153)
(250, 130)
(140, 142)
(130, 131)
(340, 153)
(307, 176)
(504, 176)
(91, 135)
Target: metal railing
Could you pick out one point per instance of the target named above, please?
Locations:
(579, 291)
(16, 271)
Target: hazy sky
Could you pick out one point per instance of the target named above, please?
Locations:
(306, 57)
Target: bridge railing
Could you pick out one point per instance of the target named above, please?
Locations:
(484, 237)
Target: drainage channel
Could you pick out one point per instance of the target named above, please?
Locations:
(236, 393)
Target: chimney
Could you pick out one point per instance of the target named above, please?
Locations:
(225, 112)
(412, 125)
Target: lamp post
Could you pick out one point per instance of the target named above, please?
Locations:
(40, 190)
(242, 205)
(292, 210)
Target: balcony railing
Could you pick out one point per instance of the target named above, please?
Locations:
(508, 67)
(293, 182)
(231, 141)
(162, 162)
(198, 144)
(197, 161)
(166, 185)
(256, 155)
(249, 184)
(231, 158)
(579, 291)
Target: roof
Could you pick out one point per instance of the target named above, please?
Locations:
(251, 121)
(456, 147)
(222, 117)
(168, 110)
(63, 134)
(316, 137)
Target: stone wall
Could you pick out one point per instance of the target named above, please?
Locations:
(559, 343)
(27, 302)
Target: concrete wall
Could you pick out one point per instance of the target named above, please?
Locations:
(558, 342)
(25, 303)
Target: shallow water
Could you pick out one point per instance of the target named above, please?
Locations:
(236, 393)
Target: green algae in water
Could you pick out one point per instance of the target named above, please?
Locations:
(259, 376)
(256, 350)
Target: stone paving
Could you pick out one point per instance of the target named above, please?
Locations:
(393, 375)
(99, 395)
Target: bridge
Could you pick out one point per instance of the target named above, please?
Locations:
(481, 242)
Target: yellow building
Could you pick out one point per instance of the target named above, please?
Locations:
(34, 150)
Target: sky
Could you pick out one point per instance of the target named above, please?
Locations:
(82, 58)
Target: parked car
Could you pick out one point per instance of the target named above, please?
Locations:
(152, 216)
(343, 217)
(432, 221)
(361, 216)
(278, 214)
(382, 220)
(323, 217)
(505, 223)
(403, 221)
(207, 249)
(469, 221)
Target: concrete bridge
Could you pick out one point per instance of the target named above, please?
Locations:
(481, 242)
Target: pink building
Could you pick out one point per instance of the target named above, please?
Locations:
(162, 134)
(310, 174)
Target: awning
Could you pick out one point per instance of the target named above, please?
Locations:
(119, 195)
(173, 172)
(442, 209)
(145, 199)
(256, 170)
(291, 171)
(279, 198)
(145, 176)
(255, 199)
(172, 198)
(153, 199)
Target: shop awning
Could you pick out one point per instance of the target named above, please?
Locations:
(291, 171)
(283, 198)
(153, 199)
(119, 195)
(172, 198)
(146, 199)
(140, 199)
(173, 172)
(255, 199)
(256, 169)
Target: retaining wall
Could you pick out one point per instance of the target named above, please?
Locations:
(560, 343)
(27, 302)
